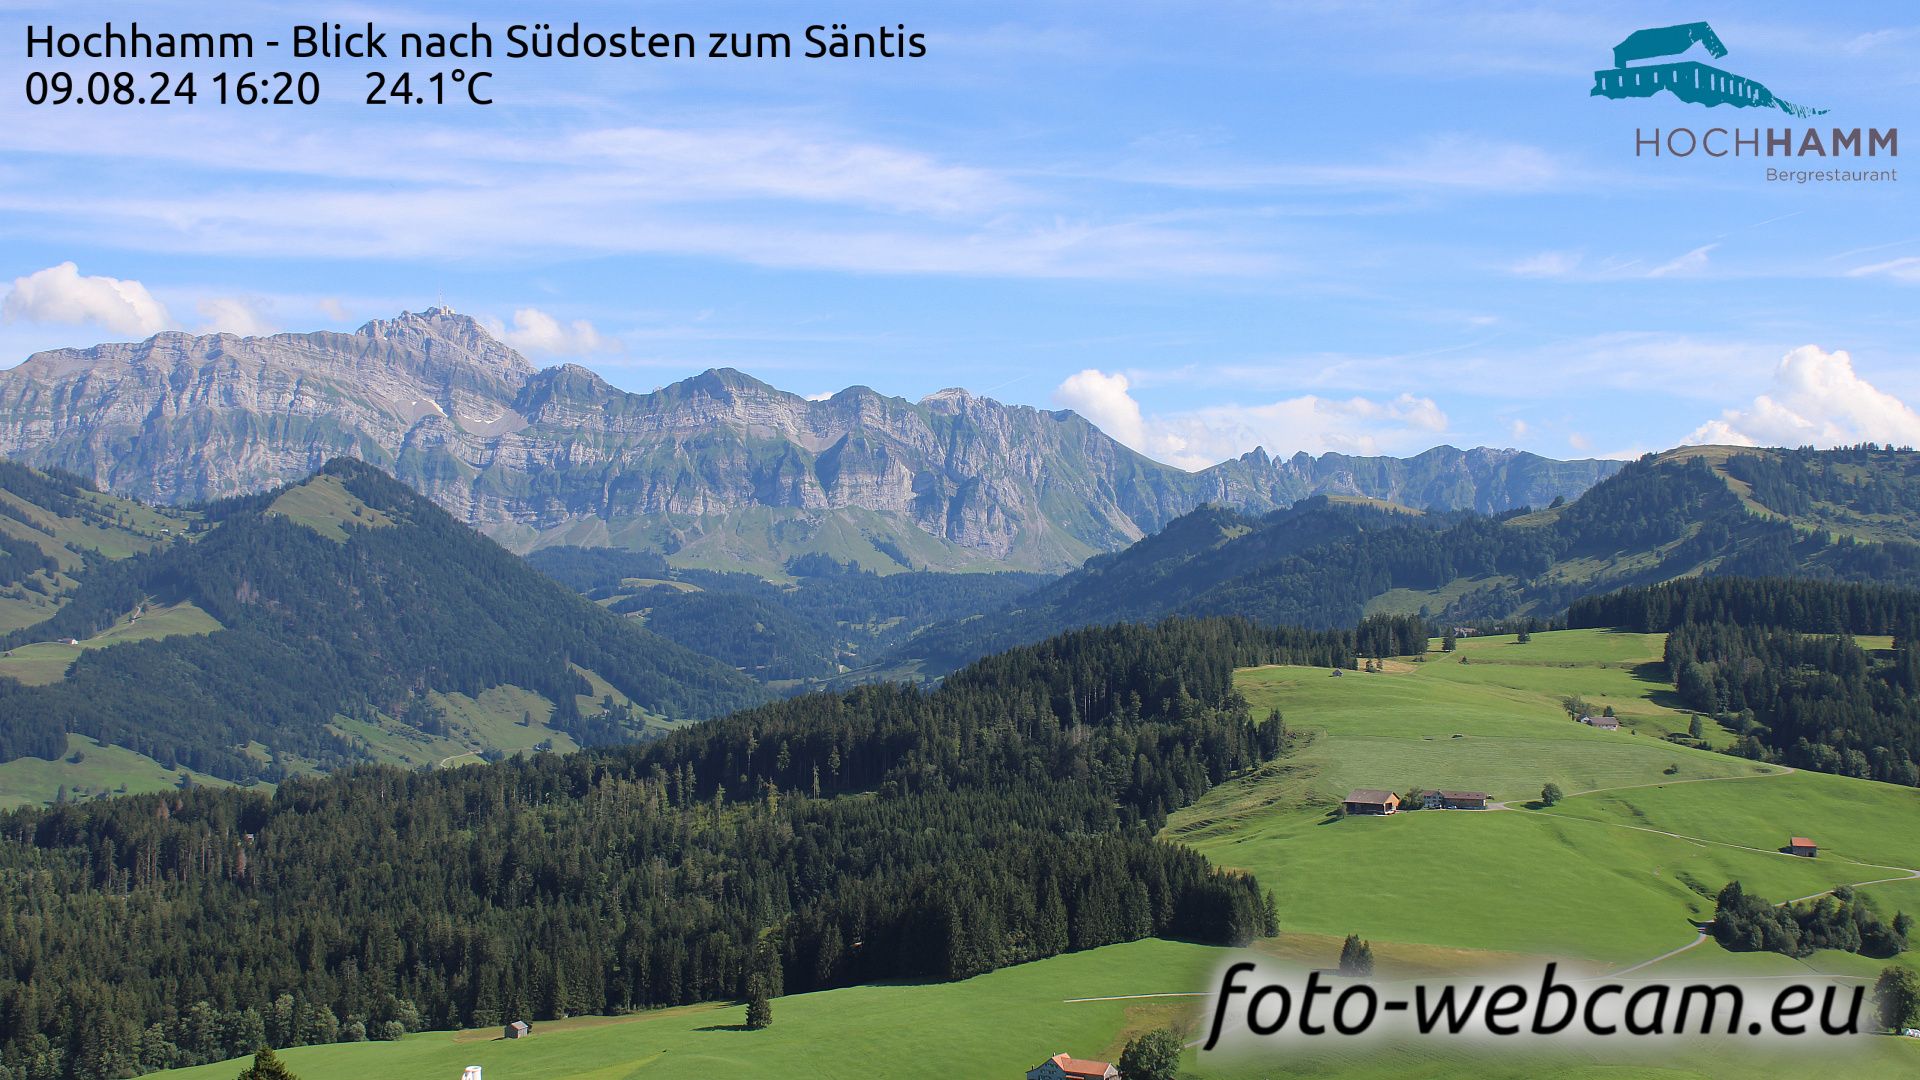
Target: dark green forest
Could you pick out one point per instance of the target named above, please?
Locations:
(1776, 660)
(887, 832)
(314, 628)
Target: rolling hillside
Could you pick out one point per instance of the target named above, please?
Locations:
(1851, 514)
(1611, 880)
(337, 620)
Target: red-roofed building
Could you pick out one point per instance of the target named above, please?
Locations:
(1800, 845)
(1064, 1067)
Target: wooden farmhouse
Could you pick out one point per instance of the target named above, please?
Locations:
(1067, 1067)
(1454, 800)
(1370, 801)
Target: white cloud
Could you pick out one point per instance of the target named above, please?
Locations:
(1201, 437)
(59, 294)
(233, 315)
(1905, 269)
(1693, 262)
(535, 331)
(1816, 399)
(333, 309)
(1104, 399)
(1520, 429)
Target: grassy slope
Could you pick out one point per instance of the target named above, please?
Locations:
(102, 770)
(47, 661)
(124, 528)
(995, 1025)
(324, 505)
(1001, 1024)
(1561, 882)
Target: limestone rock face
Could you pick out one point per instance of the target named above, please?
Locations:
(719, 468)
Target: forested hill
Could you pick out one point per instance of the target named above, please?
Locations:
(1780, 663)
(1851, 514)
(307, 626)
(884, 833)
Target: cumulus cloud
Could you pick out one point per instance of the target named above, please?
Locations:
(1201, 437)
(60, 294)
(535, 331)
(232, 315)
(1816, 399)
(1106, 400)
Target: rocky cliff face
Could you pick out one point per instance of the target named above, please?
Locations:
(719, 469)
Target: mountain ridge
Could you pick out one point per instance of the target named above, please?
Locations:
(717, 470)
(1850, 514)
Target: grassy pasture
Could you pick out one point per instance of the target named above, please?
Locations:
(101, 770)
(324, 505)
(44, 662)
(1569, 882)
(996, 1025)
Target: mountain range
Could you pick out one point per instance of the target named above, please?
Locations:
(1850, 514)
(718, 471)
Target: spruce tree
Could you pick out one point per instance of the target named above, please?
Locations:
(759, 1009)
(1356, 957)
(266, 1066)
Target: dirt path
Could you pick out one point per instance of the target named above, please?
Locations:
(1902, 873)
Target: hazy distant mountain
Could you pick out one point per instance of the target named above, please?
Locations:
(718, 470)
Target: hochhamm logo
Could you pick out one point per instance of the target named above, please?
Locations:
(1688, 80)
(1699, 83)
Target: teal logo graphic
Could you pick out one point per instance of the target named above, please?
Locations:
(1688, 80)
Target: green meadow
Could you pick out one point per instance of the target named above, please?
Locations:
(89, 769)
(45, 662)
(995, 1025)
(1595, 878)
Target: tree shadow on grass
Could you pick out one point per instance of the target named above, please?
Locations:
(724, 1027)
(1655, 671)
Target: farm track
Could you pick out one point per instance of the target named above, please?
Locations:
(1904, 873)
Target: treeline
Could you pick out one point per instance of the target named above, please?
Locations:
(314, 628)
(1809, 606)
(1776, 660)
(1842, 919)
(888, 832)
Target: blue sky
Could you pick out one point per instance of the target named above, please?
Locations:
(1370, 227)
